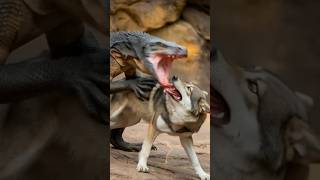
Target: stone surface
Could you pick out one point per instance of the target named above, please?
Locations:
(184, 34)
(199, 20)
(144, 15)
(122, 21)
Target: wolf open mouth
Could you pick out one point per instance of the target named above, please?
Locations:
(162, 64)
(220, 111)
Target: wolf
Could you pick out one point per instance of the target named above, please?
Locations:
(166, 115)
(260, 126)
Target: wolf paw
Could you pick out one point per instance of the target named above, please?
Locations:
(142, 168)
(204, 176)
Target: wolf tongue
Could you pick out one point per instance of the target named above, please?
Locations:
(173, 92)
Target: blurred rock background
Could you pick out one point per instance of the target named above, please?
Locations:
(186, 22)
(280, 35)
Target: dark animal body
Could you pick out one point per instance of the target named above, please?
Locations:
(63, 24)
(52, 136)
(61, 21)
(47, 137)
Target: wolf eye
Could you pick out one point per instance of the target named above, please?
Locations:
(253, 86)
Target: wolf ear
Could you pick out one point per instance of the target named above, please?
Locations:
(302, 144)
(204, 106)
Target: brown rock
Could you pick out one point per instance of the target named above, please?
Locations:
(184, 34)
(144, 15)
(123, 22)
(118, 4)
(191, 69)
(199, 20)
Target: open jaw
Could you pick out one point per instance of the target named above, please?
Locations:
(220, 110)
(162, 65)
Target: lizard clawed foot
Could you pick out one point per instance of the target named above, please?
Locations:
(142, 87)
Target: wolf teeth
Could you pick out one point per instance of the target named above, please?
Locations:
(220, 115)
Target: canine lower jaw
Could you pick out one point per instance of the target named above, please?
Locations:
(173, 92)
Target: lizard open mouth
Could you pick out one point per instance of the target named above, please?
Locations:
(162, 64)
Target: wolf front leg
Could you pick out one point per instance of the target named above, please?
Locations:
(187, 144)
(146, 148)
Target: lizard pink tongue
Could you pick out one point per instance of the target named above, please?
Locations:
(162, 71)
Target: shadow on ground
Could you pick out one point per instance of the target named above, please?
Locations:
(169, 161)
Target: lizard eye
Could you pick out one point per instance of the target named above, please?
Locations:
(163, 45)
(159, 44)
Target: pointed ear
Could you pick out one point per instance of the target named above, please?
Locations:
(302, 144)
(204, 106)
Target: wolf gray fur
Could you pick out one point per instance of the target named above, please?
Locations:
(260, 126)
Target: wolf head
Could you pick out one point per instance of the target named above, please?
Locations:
(193, 99)
(265, 119)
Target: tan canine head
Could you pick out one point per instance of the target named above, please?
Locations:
(192, 108)
(193, 98)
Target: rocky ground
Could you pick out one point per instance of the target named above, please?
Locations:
(169, 161)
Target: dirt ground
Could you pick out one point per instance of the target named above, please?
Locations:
(169, 161)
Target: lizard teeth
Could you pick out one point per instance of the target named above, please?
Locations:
(171, 56)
